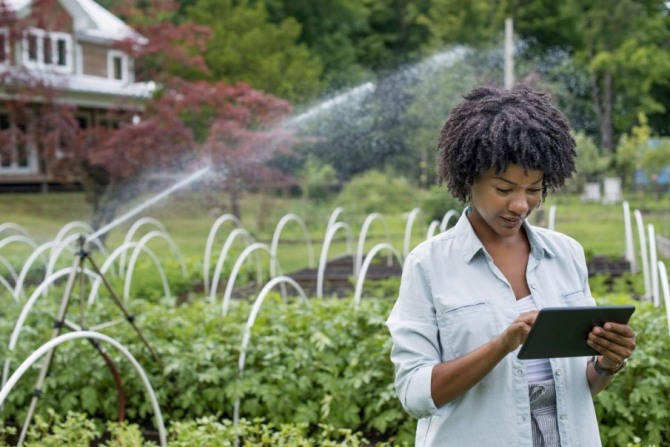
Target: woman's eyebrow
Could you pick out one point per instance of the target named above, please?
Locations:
(515, 184)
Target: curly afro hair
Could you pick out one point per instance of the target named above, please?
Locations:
(492, 128)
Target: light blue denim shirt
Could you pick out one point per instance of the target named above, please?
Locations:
(452, 300)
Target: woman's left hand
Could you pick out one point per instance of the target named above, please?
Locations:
(616, 342)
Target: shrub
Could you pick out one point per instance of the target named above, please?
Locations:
(319, 179)
(79, 429)
(634, 407)
(300, 368)
(374, 191)
(437, 202)
(310, 365)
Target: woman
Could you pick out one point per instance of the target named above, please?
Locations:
(469, 296)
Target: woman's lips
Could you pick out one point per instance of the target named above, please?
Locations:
(512, 221)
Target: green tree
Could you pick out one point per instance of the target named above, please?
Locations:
(357, 40)
(472, 22)
(625, 48)
(622, 46)
(543, 24)
(399, 32)
(246, 46)
(591, 164)
(330, 30)
(631, 150)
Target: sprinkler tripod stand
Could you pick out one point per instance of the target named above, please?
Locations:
(80, 257)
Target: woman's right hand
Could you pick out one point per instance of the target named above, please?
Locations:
(515, 334)
(452, 378)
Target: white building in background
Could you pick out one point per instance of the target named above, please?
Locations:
(74, 48)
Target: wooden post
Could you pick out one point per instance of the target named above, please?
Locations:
(509, 53)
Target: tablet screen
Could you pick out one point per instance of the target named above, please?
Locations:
(563, 331)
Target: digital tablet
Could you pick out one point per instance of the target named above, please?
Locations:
(562, 331)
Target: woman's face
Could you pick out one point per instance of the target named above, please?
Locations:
(501, 202)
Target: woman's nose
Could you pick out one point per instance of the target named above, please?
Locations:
(519, 205)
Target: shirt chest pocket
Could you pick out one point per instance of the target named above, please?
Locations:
(465, 328)
(576, 298)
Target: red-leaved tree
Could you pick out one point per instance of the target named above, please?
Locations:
(186, 124)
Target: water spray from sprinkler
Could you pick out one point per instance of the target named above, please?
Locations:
(148, 203)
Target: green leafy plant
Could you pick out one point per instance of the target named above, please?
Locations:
(634, 407)
(57, 431)
(375, 191)
(438, 201)
(309, 365)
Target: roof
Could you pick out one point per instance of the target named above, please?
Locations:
(16, 5)
(100, 23)
(91, 20)
(86, 85)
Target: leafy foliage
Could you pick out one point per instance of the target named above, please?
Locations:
(332, 31)
(437, 202)
(310, 365)
(375, 191)
(631, 149)
(171, 48)
(635, 405)
(591, 164)
(245, 46)
(79, 429)
(318, 179)
(187, 123)
(299, 367)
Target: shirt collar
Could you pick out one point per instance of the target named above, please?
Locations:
(472, 245)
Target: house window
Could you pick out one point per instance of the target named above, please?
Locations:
(117, 66)
(44, 49)
(5, 143)
(21, 147)
(32, 47)
(47, 47)
(82, 121)
(15, 147)
(4, 46)
(62, 51)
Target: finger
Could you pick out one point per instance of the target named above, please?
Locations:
(615, 352)
(622, 329)
(626, 339)
(528, 317)
(623, 346)
(612, 357)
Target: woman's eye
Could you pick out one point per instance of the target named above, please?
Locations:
(535, 191)
(503, 190)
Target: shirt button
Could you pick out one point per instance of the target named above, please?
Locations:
(558, 372)
(519, 372)
(532, 285)
(563, 417)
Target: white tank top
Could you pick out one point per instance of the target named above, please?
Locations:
(537, 370)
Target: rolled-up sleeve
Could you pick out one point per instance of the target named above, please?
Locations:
(416, 346)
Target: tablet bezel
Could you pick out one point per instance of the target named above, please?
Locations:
(562, 331)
